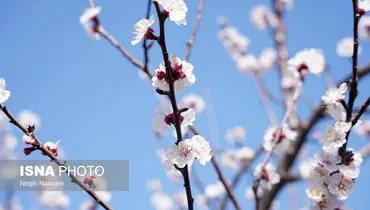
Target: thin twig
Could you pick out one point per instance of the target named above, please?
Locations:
(123, 51)
(191, 40)
(172, 96)
(221, 177)
(279, 38)
(361, 111)
(113, 41)
(264, 100)
(243, 169)
(39, 146)
(353, 83)
(145, 46)
(289, 111)
(141, 66)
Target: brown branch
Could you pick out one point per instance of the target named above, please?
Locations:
(288, 160)
(353, 92)
(191, 40)
(361, 111)
(123, 51)
(141, 66)
(98, 27)
(353, 83)
(39, 146)
(172, 96)
(239, 174)
(221, 177)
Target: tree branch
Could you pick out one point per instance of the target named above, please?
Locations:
(221, 177)
(193, 36)
(172, 96)
(288, 160)
(39, 146)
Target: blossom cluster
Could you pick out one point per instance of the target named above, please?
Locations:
(177, 74)
(236, 44)
(331, 173)
(306, 61)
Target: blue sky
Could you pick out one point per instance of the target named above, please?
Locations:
(91, 98)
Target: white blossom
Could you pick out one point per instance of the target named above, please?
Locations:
(364, 5)
(229, 159)
(194, 101)
(176, 9)
(29, 118)
(334, 95)
(142, 30)
(161, 201)
(244, 154)
(87, 21)
(287, 136)
(54, 199)
(214, 190)
(154, 184)
(329, 203)
(174, 175)
(316, 191)
(311, 60)
(202, 202)
(164, 118)
(182, 74)
(4, 123)
(329, 161)
(351, 166)
(186, 151)
(267, 58)
(305, 168)
(263, 18)
(364, 27)
(232, 158)
(345, 47)
(249, 64)
(4, 94)
(236, 134)
(180, 198)
(28, 140)
(313, 171)
(332, 100)
(335, 136)
(268, 175)
(9, 142)
(291, 82)
(341, 186)
(52, 147)
(87, 204)
(234, 42)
